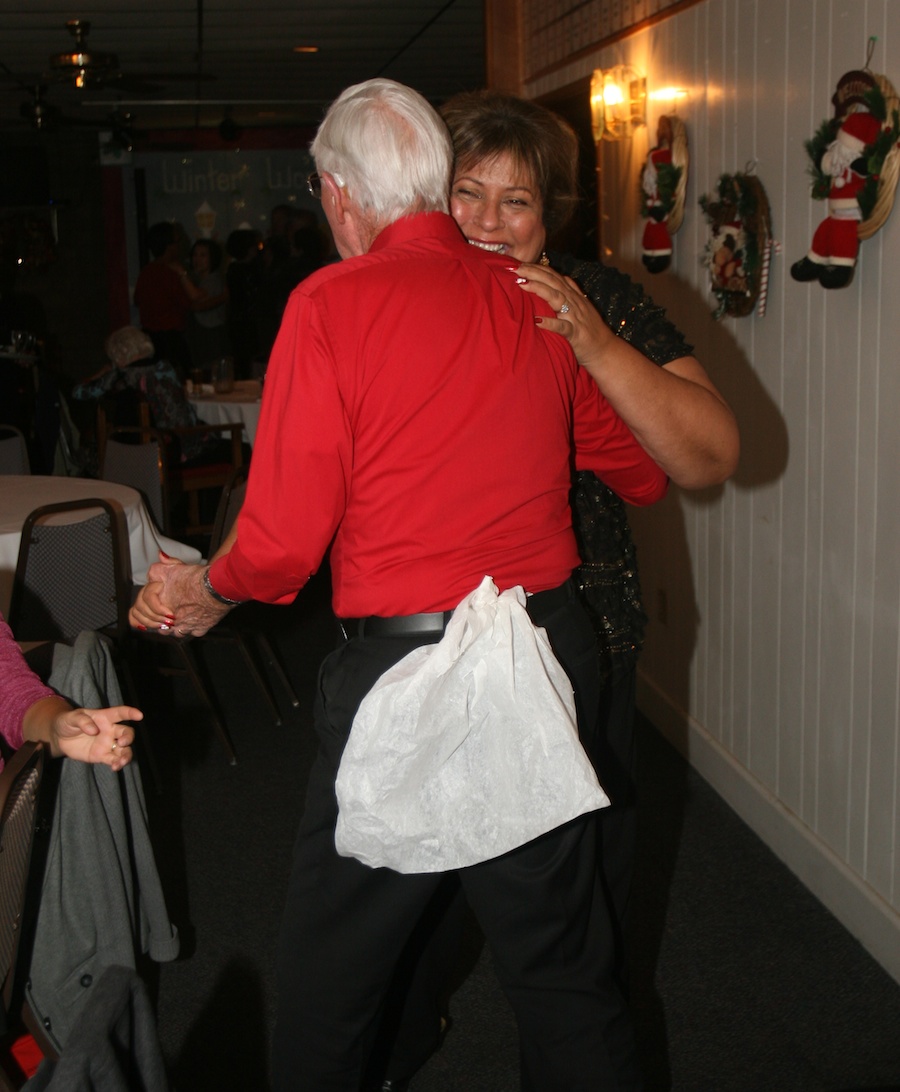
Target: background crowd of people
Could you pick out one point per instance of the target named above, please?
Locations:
(213, 300)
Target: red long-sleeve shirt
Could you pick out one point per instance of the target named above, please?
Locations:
(160, 298)
(416, 419)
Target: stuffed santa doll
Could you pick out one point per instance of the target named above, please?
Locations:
(657, 242)
(832, 257)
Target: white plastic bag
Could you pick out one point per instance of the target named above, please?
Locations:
(464, 749)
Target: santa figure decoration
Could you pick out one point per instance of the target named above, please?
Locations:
(663, 183)
(854, 168)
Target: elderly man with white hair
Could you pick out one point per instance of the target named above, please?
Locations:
(418, 424)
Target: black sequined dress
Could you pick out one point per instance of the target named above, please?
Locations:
(608, 574)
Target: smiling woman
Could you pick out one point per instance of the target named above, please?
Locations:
(499, 208)
(515, 184)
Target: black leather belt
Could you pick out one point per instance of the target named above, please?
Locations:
(434, 624)
(399, 625)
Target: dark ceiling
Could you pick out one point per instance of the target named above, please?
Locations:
(186, 63)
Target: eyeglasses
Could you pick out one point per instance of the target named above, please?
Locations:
(314, 185)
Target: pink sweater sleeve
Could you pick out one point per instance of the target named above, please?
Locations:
(20, 688)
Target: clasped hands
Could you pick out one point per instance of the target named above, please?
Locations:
(174, 601)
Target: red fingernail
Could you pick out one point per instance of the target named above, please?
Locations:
(163, 553)
(140, 626)
(538, 319)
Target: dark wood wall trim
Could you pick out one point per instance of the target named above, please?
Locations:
(625, 32)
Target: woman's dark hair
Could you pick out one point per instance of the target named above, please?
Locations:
(214, 250)
(488, 124)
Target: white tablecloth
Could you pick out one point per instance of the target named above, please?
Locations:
(21, 494)
(242, 404)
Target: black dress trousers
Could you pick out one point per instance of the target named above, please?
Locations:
(540, 907)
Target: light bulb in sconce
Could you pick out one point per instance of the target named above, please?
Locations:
(618, 102)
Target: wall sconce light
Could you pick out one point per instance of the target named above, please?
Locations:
(618, 102)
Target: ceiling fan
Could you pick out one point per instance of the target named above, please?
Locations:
(84, 67)
(37, 111)
(45, 116)
(81, 66)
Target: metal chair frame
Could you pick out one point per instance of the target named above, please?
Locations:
(90, 599)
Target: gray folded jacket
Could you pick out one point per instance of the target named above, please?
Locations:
(102, 902)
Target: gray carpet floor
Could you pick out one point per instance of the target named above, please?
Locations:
(742, 982)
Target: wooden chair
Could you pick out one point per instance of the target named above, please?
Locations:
(190, 481)
(156, 471)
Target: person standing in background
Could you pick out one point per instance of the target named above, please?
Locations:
(163, 295)
(207, 330)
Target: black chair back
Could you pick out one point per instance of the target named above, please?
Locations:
(72, 575)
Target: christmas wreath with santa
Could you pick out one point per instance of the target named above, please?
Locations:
(854, 167)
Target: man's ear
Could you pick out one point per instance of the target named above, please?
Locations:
(332, 192)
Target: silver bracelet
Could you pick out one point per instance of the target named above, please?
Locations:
(207, 583)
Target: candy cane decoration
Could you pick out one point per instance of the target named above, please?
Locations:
(764, 276)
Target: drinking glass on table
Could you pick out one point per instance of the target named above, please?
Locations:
(223, 375)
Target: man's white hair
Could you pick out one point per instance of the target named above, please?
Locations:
(388, 148)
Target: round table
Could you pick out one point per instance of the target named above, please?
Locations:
(21, 494)
(239, 405)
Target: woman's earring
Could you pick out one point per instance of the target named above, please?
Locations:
(544, 259)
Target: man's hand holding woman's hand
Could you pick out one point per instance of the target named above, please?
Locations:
(175, 602)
